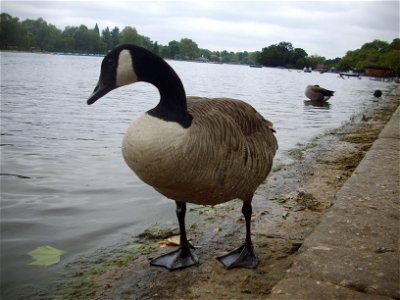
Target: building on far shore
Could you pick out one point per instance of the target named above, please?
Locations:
(375, 71)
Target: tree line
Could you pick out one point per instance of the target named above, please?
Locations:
(285, 55)
(375, 53)
(38, 35)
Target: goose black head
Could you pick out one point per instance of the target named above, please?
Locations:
(127, 64)
(117, 69)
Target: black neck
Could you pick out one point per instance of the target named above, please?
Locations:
(172, 106)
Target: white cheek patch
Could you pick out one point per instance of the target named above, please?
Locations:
(125, 71)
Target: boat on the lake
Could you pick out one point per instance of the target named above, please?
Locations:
(350, 74)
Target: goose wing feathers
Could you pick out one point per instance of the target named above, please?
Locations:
(323, 91)
(317, 93)
(231, 145)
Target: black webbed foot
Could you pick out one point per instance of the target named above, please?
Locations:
(181, 258)
(243, 257)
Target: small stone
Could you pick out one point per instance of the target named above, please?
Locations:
(381, 250)
(372, 288)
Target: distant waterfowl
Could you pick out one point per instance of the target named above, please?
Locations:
(378, 93)
(317, 93)
(191, 149)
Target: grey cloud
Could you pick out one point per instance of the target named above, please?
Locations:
(320, 27)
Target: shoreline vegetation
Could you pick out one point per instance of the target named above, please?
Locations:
(39, 36)
(287, 208)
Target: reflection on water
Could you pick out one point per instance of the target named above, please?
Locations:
(64, 182)
(317, 104)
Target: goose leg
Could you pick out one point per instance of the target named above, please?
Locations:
(244, 256)
(183, 257)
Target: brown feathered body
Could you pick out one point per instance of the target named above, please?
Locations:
(226, 152)
(317, 93)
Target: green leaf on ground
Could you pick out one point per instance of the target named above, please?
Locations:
(45, 256)
(201, 209)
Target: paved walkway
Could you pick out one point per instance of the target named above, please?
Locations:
(354, 252)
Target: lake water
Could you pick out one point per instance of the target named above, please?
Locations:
(64, 182)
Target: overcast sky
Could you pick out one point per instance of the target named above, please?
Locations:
(319, 27)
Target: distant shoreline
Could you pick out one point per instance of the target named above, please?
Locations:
(55, 53)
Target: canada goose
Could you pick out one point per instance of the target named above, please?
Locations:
(197, 150)
(317, 93)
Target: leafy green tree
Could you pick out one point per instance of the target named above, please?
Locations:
(331, 63)
(205, 53)
(55, 35)
(376, 53)
(314, 60)
(155, 49)
(41, 36)
(282, 54)
(129, 35)
(96, 30)
(12, 33)
(68, 40)
(114, 37)
(215, 56)
(252, 58)
(80, 38)
(86, 40)
(147, 43)
(298, 58)
(271, 56)
(376, 45)
(224, 56)
(164, 51)
(346, 63)
(391, 59)
(188, 49)
(106, 40)
(394, 45)
(174, 50)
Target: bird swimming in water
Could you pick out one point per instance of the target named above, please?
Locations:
(317, 93)
(378, 93)
(191, 149)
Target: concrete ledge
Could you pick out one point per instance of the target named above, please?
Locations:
(392, 129)
(354, 252)
(295, 288)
